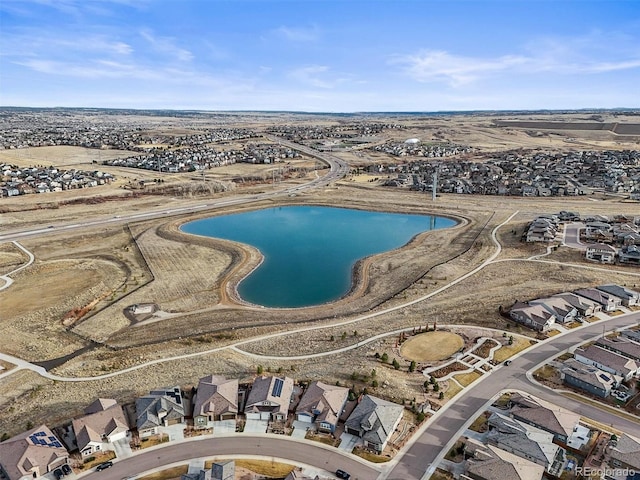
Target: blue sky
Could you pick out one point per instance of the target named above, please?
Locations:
(324, 55)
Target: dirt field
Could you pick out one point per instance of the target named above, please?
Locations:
(431, 346)
(104, 270)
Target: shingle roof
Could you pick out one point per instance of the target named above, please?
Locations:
(275, 390)
(492, 463)
(216, 395)
(545, 415)
(590, 374)
(31, 451)
(627, 451)
(622, 346)
(95, 426)
(374, 418)
(622, 365)
(163, 404)
(520, 437)
(618, 291)
(327, 399)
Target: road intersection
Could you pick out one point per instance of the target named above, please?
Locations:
(419, 457)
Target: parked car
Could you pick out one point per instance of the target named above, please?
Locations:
(507, 363)
(58, 473)
(66, 469)
(104, 465)
(342, 474)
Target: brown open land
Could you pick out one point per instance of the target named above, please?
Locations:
(431, 346)
(78, 292)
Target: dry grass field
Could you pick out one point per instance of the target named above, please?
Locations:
(431, 346)
(106, 269)
(11, 257)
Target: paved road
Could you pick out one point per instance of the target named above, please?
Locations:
(314, 454)
(337, 169)
(435, 441)
(572, 235)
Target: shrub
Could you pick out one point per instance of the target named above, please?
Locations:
(385, 357)
(395, 364)
(412, 366)
(259, 370)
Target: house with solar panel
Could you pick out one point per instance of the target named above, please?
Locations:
(31, 454)
(269, 399)
(161, 408)
(103, 424)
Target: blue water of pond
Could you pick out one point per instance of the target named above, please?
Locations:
(309, 251)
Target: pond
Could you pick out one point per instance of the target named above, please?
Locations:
(310, 251)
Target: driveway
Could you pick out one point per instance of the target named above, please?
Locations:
(256, 426)
(221, 427)
(348, 442)
(123, 448)
(300, 429)
(175, 432)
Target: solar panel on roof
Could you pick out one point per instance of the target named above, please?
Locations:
(277, 387)
(56, 444)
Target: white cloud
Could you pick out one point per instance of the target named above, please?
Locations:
(310, 75)
(167, 46)
(297, 34)
(453, 69)
(576, 56)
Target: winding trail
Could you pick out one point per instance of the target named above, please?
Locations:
(22, 364)
(7, 278)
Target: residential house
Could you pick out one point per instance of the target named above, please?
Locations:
(631, 335)
(632, 238)
(297, 474)
(558, 306)
(600, 252)
(487, 462)
(588, 378)
(608, 302)
(536, 317)
(161, 408)
(608, 361)
(523, 440)
(630, 254)
(269, 398)
(219, 471)
(622, 346)
(31, 454)
(584, 306)
(103, 424)
(629, 297)
(322, 404)
(544, 415)
(374, 420)
(216, 399)
(625, 453)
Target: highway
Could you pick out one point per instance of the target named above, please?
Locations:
(433, 440)
(337, 170)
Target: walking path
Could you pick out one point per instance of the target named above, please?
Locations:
(26, 365)
(7, 277)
